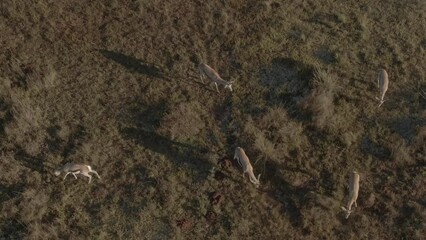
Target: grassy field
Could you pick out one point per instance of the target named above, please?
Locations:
(114, 84)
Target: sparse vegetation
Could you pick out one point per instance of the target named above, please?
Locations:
(114, 84)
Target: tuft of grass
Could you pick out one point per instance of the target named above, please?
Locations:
(27, 129)
(363, 27)
(320, 101)
(183, 122)
(400, 151)
(275, 135)
(341, 18)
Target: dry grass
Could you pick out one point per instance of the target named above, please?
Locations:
(275, 136)
(114, 84)
(320, 101)
(183, 122)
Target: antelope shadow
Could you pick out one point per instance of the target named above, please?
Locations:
(175, 151)
(292, 198)
(133, 64)
(34, 163)
(140, 125)
(139, 66)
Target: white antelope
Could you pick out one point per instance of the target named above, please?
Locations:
(75, 169)
(382, 84)
(353, 193)
(244, 162)
(206, 71)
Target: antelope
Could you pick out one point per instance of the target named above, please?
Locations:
(206, 71)
(244, 162)
(382, 84)
(353, 193)
(75, 169)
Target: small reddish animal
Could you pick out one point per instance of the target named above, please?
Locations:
(216, 198)
(353, 193)
(75, 169)
(225, 163)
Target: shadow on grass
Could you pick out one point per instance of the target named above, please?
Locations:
(133, 64)
(175, 151)
(143, 116)
(56, 144)
(292, 198)
(5, 110)
(407, 126)
(12, 229)
(371, 148)
(155, 142)
(288, 81)
(139, 124)
(139, 66)
(31, 162)
(11, 191)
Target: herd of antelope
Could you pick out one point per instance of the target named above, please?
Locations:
(239, 154)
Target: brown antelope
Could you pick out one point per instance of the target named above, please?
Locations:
(75, 169)
(353, 193)
(382, 84)
(206, 71)
(244, 162)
